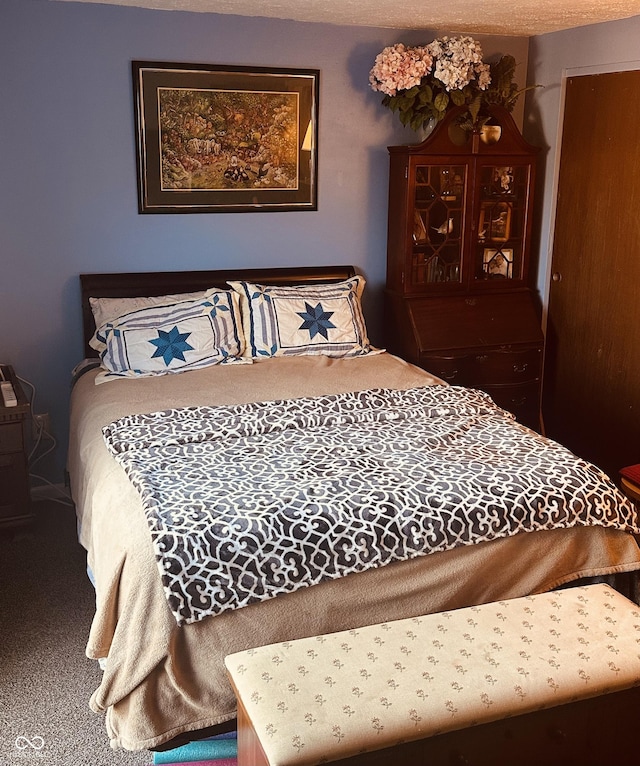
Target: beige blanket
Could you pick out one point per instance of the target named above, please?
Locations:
(162, 680)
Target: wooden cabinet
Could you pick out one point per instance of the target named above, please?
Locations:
(457, 299)
(14, 473)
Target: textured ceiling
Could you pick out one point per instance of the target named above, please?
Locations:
(497, 17)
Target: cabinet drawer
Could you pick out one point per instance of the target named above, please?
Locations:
(11, 437)
(506, 366)
(454, 369)
(522, 400)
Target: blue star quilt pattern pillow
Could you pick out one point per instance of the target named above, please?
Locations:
(172, 338)
(308, 319)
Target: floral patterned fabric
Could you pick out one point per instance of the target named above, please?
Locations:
(328, 697)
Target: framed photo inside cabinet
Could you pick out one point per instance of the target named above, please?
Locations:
(419, 228)
(498, 264)
(225, 138)
(495, 222)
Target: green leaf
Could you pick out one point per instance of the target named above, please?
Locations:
(503, 72)
(474, 108)
(441, 102)
(458, 97)
(426, 94)
(405, 103)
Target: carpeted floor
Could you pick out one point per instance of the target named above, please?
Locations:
(46, 606)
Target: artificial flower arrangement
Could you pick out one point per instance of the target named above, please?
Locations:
(423, 82)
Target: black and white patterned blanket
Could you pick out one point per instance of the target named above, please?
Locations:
(250, 501)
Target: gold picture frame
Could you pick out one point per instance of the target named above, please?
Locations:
(495, 222)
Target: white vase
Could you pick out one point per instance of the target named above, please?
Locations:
(427, 129)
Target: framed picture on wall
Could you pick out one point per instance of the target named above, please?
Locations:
(225, 139)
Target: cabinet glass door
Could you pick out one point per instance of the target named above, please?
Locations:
(436, 247)
(501, 223)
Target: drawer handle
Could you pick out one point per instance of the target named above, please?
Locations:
(519, 402)
(520, 367)
(451, 376)
(482, 358)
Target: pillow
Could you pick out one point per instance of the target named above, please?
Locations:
(109, 309)
(173, 338)
(307, 319)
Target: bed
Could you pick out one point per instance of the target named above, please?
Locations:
(164, 680)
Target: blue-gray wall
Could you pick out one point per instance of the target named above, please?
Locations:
(68, 200)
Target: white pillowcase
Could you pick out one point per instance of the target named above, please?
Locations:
(324, 319)
(172, 338)
(109, 309)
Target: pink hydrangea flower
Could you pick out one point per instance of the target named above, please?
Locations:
(453, 61)
(399, 68)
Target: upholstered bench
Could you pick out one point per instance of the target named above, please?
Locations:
(535, 680)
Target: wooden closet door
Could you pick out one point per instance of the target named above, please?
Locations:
(591, 397)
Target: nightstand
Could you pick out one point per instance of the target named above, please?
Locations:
(15, 508)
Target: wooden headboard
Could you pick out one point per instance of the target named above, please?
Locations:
(135, 285)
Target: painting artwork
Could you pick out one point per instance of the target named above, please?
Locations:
(225, 140)
(219, 139)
